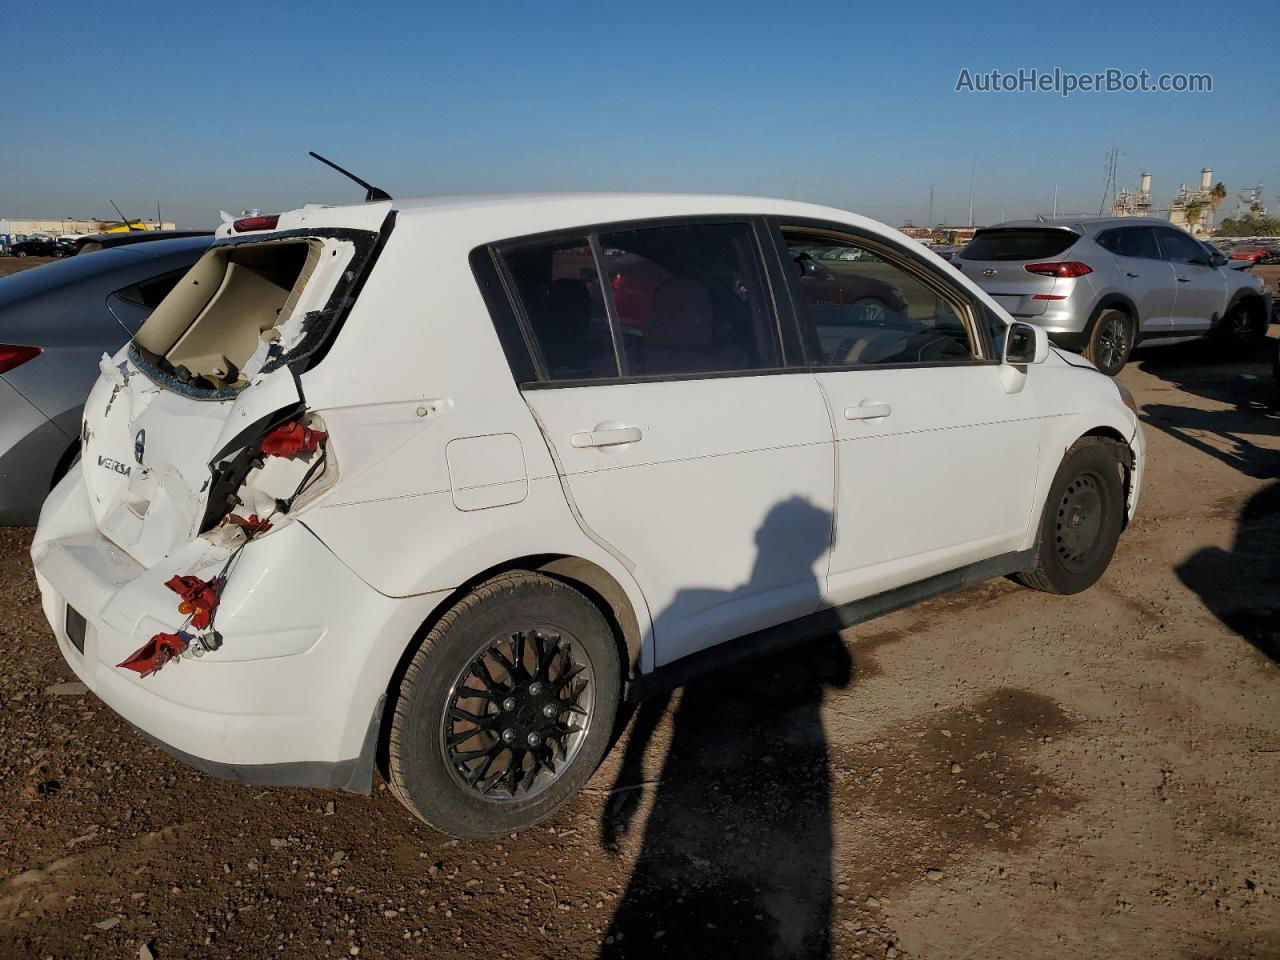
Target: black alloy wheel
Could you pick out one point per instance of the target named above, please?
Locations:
(518, 714)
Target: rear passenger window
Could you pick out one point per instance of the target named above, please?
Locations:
(690, 299)
(559, 288)
(858, 308)
(1131, 242)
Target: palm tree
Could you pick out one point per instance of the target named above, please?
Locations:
(1216, 196)
(1193, 212)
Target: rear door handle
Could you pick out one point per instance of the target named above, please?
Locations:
(868, 410)
(606, 438)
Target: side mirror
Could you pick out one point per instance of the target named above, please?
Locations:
(1217, 260)
(1025, 344)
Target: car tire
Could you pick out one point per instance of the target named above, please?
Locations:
(1239, 332)
(1082, 519)
(1110, 341)
(462, 715)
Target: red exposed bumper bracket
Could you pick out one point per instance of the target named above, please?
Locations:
(199, 598)
(251, 525)
(292, 439)
(155, 653)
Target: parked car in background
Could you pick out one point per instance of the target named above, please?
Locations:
(56, 322)
(36, 247)
(1102, 285)
(1256, 252)
(397, 478)
(1253, 254)
(106, 241)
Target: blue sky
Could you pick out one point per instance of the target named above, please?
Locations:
(851, 104)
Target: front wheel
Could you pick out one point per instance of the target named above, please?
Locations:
(506, 709)
(1110, 341)
(1082, 519)
(1240, 331)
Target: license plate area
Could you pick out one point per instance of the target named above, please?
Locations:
(76, 628)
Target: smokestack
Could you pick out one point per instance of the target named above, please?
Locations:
(1206, 178)
(1145, 184)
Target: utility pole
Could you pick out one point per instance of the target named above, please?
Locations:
(929, 220)
(1055, 199)
(1109, 190)
(973, 168)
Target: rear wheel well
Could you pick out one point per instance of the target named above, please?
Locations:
(1113, 301)
(595, 583)
(65, 463)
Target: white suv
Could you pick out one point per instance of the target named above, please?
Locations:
(452, 478)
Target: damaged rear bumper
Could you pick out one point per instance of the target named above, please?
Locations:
(293, 696)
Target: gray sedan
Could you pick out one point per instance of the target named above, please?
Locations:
(56, 322)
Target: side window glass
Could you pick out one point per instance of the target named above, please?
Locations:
(690, 299)
(1180, 248)
(149, 293)
(1131, 242)
(859, 309)
(559, 289)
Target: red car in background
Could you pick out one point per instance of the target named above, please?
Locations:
(1253, 254)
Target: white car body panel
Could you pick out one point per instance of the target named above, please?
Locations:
(945, 479)
(444, 469)
(686, 504)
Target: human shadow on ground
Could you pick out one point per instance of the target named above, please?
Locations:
(1241, 586)
(736, 854)
(1222, 434)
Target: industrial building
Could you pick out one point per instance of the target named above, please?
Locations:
(16, 227)
(1137, 203)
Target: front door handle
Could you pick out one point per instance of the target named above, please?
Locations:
(1184, 279)
(606, 438)
(1132, 276)
(868, 410)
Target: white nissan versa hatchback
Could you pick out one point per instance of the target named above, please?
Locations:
(453, 478)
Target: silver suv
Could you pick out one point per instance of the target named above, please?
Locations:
(1101, 285)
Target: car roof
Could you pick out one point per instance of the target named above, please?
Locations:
(1081, 225)
(93, 267)
(517, 214)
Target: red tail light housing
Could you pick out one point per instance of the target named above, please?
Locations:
(12, 355)
(248, 224)
(1065, 268)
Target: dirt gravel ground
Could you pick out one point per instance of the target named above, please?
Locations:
(993, 774)
(10, 265)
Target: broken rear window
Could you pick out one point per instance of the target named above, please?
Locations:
(248, 307)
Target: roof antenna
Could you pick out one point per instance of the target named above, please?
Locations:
(371, 192)
(128, 224)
